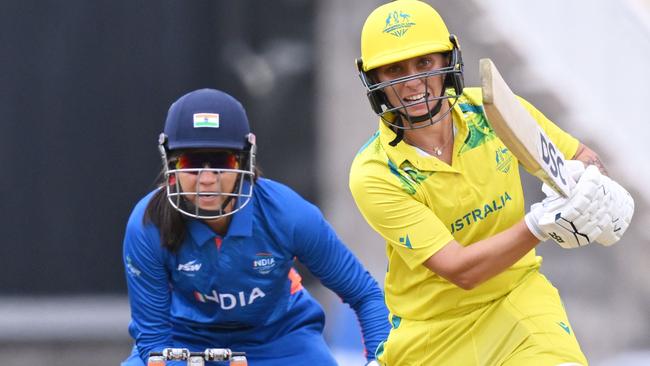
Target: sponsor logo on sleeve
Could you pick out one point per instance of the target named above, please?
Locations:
(131, 269)
(404, 240)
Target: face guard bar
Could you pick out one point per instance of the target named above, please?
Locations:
(241, 194)
(397, 116)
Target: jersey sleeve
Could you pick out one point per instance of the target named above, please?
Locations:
(148, 287)
(567, 144)
(408, 225)
(319, 248)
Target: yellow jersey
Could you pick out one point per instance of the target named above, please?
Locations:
(419, 203)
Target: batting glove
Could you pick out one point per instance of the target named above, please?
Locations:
(571, 222)
(373, 363)
(615, 219)
(620, 208)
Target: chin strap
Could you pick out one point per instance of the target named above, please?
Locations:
(399, 134)
(229, 198)
(428, 116)
(433, 111)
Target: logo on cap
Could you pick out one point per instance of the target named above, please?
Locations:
(206, 120)
(397, 23)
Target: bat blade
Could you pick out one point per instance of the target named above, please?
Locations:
(520, 132)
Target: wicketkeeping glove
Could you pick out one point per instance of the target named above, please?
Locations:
(571, 222)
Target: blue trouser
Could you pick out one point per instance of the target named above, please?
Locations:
(294, 340)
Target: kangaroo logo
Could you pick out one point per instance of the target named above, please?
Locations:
(398, 23)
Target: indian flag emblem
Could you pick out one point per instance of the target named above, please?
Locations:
(206, 120)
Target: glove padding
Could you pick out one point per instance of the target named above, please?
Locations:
(618, 202)
(574, 221)
(620, 208)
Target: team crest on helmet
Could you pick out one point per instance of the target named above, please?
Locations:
(398, 23)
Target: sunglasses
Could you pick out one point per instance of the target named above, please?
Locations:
(205, 159)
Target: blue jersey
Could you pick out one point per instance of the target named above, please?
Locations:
(245, 280)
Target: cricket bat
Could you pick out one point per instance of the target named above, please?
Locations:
(520, 132)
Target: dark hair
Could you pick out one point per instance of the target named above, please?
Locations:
(170, 222)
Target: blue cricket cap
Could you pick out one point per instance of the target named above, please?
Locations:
(206, 118)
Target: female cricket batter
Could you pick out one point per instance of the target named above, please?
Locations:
(209, 256)
(463, 285)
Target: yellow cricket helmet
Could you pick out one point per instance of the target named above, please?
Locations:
(401, 30)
